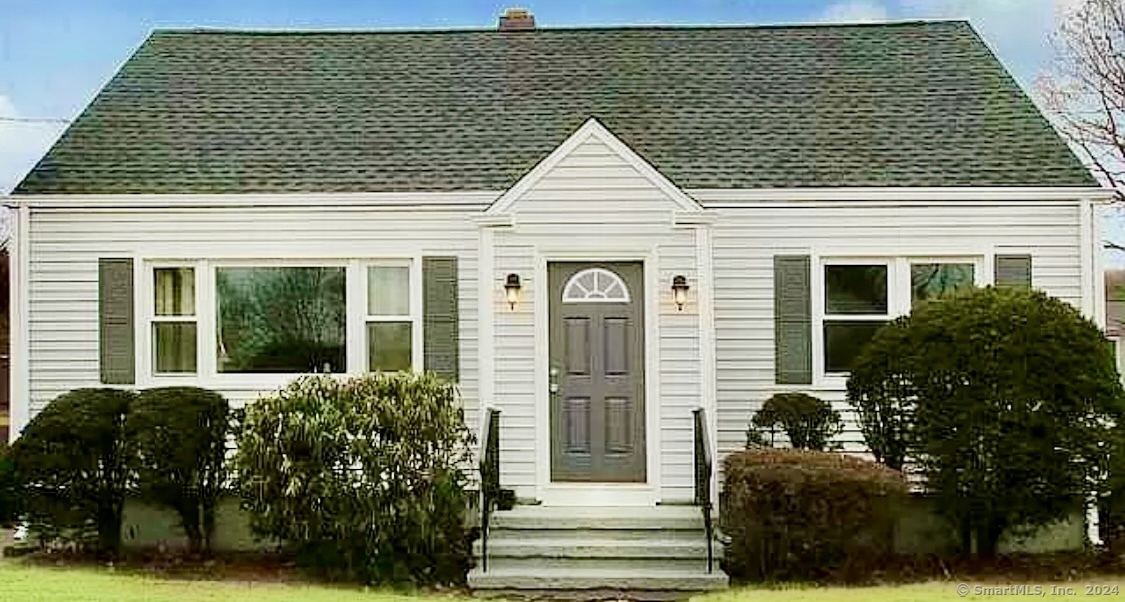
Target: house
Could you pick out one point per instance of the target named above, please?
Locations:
(595, 231)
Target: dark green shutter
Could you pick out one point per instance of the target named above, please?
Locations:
(440, 324)
(1013, 271)
(115, 321)
(792, 304)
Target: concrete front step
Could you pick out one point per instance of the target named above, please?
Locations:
(586, 583)
(572, 535)
(649, 553)
(626, 565)
(599, 518)
(512, 545)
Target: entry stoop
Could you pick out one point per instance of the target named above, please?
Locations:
(649, 553)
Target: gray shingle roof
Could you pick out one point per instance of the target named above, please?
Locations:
(909, 104)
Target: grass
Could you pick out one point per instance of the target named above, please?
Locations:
(934, 591)
(31, 583)
(34, 583)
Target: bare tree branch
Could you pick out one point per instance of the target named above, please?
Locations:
(1085, 90)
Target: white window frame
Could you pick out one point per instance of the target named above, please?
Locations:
(207, 374)
(898, 298)
(414, 304)
(149, 319)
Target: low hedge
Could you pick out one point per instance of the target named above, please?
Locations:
(808, 515)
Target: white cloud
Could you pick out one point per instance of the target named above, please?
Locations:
(22, 144)
(854, 11)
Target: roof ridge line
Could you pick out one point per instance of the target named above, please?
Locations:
(564, 28)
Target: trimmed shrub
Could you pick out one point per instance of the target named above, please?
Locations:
(71, 463)
(179, 437)
(808, 422)
(1004, 399)
(807, 515)
(361, 478)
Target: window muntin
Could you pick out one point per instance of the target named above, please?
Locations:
(281, 319)
(595, 285)
(390, 323)
(856, 305)
(174, 322)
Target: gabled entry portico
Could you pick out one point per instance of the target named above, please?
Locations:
(594, 366)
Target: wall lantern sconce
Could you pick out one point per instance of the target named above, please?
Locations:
(512, 288)
(679, 291)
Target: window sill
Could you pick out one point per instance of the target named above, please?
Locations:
(227, 381)
(826, 384)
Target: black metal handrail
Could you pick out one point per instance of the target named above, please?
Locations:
(704, 476)
(489, 477)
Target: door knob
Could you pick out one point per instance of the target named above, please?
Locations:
(554, 384)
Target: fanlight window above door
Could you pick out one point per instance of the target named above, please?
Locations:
(595, 285)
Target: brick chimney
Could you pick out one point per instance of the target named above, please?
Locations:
(517, 19)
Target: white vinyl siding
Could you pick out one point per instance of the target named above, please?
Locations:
(65, 246)
(746, 239)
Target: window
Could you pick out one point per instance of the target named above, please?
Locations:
(858, 296)
(595, 285)
(281, 319)
(855, 306)
(937, 280)
(256, 324)
(390, 324)
(174, 320)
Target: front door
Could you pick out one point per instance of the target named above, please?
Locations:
(597, 371)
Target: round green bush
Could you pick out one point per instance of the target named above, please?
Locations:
(809, 422)
(797, 515)
(1005, 401)
(71, 464)
(361, 478)
(179, 437)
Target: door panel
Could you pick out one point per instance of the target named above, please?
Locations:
(597, 372)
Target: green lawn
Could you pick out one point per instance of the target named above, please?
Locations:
(26, 583)
(40, 584)
(923, 592)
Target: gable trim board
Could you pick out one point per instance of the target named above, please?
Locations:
(592, 131)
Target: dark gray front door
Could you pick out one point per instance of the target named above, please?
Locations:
(597, 371)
